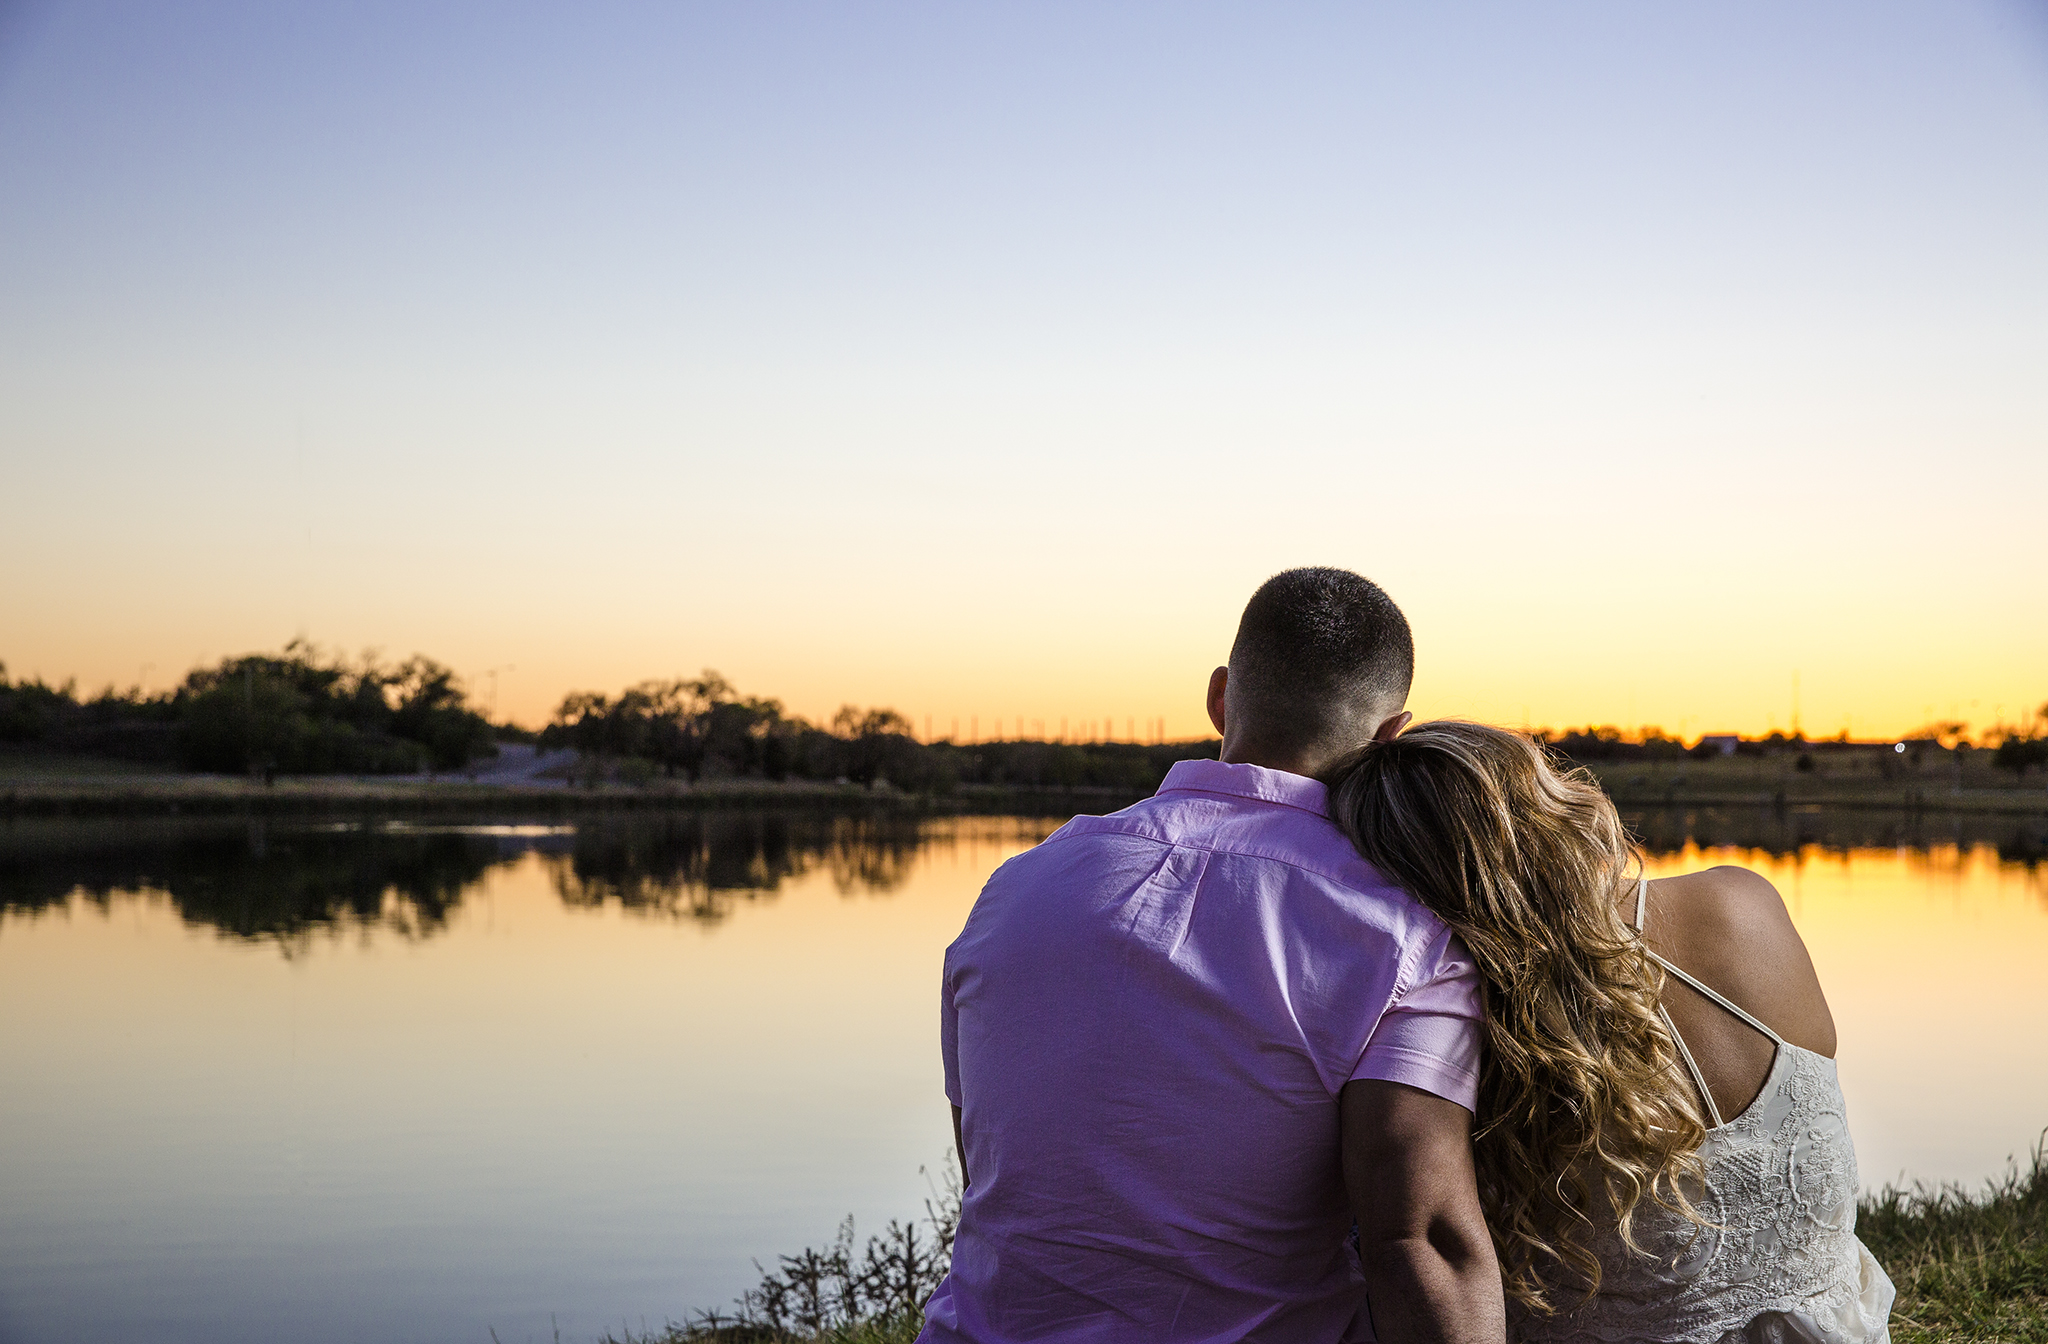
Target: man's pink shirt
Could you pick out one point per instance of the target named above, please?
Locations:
(1146, 1023)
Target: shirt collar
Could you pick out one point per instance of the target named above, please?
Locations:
(1248, 781)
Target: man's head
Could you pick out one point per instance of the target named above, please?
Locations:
(1321, 666)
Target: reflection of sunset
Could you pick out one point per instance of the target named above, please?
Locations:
(599, 1070)
(672, 1095)
(1931, 960)
(1051, 659)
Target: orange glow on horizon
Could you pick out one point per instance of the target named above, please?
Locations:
(1123, 690)
(1005, 413)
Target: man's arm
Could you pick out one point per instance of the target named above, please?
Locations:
(1428, 1261)
(960, 1146)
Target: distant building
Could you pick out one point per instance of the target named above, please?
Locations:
(1721, 744)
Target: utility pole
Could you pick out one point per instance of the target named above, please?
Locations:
(492, 673)
(249, 713)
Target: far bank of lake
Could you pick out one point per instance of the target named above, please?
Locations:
(32, 786)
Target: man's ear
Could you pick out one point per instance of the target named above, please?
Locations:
(1219, 680)
(1391, 729)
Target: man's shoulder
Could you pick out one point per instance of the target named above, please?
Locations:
(1287, 844)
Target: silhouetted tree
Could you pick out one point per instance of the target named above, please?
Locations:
(703, 728)
(2019, 754)
(432, 710)
(300, 713)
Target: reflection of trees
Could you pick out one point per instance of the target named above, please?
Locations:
(285, 884)
(1784, 832)
(699, 865)
(250, 880)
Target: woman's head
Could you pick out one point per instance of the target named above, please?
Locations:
(1582, 1111)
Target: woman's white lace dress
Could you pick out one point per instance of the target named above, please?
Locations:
(1782, 1263)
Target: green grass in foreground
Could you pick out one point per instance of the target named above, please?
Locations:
(1968, 1267)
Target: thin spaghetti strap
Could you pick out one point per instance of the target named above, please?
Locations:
(1692, 1067)
(1699, 1079)
(1718, 997)
(1642, 904)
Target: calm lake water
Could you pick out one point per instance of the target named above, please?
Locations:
(405, 1083)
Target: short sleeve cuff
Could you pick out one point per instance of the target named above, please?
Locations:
(949, 1035)
(1431, 1038)
(1438, 1077)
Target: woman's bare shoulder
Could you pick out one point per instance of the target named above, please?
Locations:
(1729, 926)
(1726, 901)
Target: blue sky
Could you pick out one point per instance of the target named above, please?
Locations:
(980, 359)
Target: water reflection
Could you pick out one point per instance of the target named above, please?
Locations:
(1786, 832)
(252, 881)
(698, 866)
(269, 882)
(585, 1080)
(287, 883)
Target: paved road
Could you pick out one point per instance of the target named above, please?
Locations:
(517, 763)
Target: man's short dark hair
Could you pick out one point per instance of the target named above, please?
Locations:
(1315, 647)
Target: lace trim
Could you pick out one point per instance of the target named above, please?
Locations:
(1783, 1262)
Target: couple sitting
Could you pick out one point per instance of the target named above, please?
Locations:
(1360, 1031)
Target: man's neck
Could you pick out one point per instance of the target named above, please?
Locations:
(1294, 761)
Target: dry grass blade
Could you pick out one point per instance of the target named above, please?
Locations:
(1968, 1266)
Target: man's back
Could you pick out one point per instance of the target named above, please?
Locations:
(1147, 1023)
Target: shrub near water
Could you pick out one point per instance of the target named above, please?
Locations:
(298, 713)
(838, 1295)
(295, 712)
(1968, 1268)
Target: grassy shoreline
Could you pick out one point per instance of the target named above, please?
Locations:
(88, 788)
(1778, 783)
(163, 795)
(1969, 1266)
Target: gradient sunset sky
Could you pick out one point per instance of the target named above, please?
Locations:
(978, 360)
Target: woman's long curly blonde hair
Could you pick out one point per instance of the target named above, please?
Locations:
(1582, 1112)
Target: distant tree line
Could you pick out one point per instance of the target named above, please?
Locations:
(2026, 748)
(301, 711)
(2019, 748)
(294, 712)
(702, 728)
(1610, 744)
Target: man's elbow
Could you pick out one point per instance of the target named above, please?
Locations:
(1463, 1247)
(1451, 1242)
